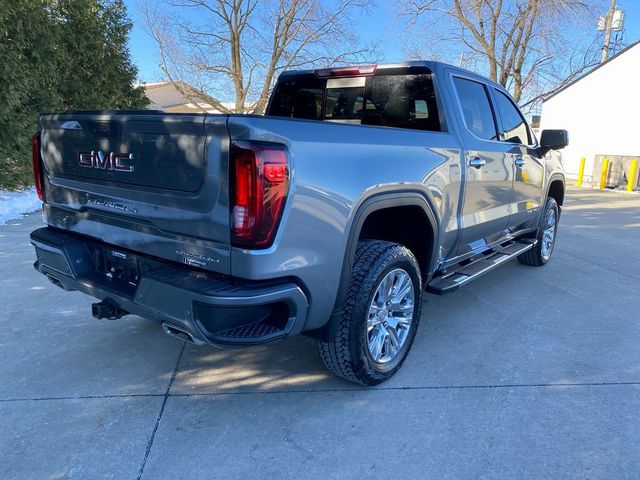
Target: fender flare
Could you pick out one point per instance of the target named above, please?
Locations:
(374, 203)
(556, 177)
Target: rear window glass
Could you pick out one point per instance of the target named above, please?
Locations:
(344, 103)
(298, 98)
(401, 101)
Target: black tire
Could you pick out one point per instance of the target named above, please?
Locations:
(347, 353)
(535, 256)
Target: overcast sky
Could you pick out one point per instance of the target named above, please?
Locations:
(379, 25)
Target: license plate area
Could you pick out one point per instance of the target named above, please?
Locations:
(117, 266)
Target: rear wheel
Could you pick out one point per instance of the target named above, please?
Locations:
(376, 325)
(540, 254)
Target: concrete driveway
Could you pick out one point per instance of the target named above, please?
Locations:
(526, 373)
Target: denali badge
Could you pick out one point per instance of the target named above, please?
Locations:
(115, 206)
(105, 161)
(195, 259)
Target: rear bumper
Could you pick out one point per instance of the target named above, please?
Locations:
(199, 306)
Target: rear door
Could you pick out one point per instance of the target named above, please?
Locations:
(151, 182)
(528, 169)
(488, 173)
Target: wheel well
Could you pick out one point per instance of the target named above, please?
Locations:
(406, 225)
(556, 191)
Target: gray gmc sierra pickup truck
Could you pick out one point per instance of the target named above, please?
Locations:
(361, 188)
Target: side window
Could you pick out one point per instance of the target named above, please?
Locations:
(476, 109)
(421, 109)
(515, 127)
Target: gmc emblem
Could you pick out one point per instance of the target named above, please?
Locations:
(105, 161)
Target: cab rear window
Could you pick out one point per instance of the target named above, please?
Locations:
(391, 100)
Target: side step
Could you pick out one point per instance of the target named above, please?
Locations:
(485, 263)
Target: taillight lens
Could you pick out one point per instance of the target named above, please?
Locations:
(37, 164)
(260, 182)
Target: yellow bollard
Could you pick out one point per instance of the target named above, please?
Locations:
(603, 174)
(581, 171)
(632, 175)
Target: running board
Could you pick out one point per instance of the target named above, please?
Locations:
(497, 256)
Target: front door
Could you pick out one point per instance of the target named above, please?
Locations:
(528, 168)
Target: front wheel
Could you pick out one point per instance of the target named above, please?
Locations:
(376, 325)
(540, 254)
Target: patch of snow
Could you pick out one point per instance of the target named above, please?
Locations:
(15, 204)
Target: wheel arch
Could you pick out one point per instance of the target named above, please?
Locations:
(382, 207)
(556, 189)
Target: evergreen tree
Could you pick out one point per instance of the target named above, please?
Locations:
(58, 55)
(27, 85)
(96, 70)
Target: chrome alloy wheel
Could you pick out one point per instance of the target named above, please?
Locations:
(548, 234)
(390, 316)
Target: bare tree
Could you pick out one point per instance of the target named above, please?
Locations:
(523, 43)
(549, 79)
(231, 51)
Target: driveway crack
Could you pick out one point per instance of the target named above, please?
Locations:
(330, 390)
(159, 417)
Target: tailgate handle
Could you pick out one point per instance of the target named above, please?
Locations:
(103, 129)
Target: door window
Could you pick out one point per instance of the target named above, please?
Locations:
(476, 109)
(514, 125)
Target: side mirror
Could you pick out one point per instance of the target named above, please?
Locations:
(553, 140)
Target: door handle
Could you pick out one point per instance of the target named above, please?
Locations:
(477, 162)
(520, 161)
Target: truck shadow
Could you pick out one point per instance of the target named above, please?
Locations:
(289, 365)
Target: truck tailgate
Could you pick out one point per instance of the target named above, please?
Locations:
(150, 182)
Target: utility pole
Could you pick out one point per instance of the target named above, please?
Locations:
(607, 31)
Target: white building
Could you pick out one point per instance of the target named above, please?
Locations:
(166, 97)
(601, 111)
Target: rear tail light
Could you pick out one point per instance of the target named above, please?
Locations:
(37, 164)
(260, 182)
(357, 70)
